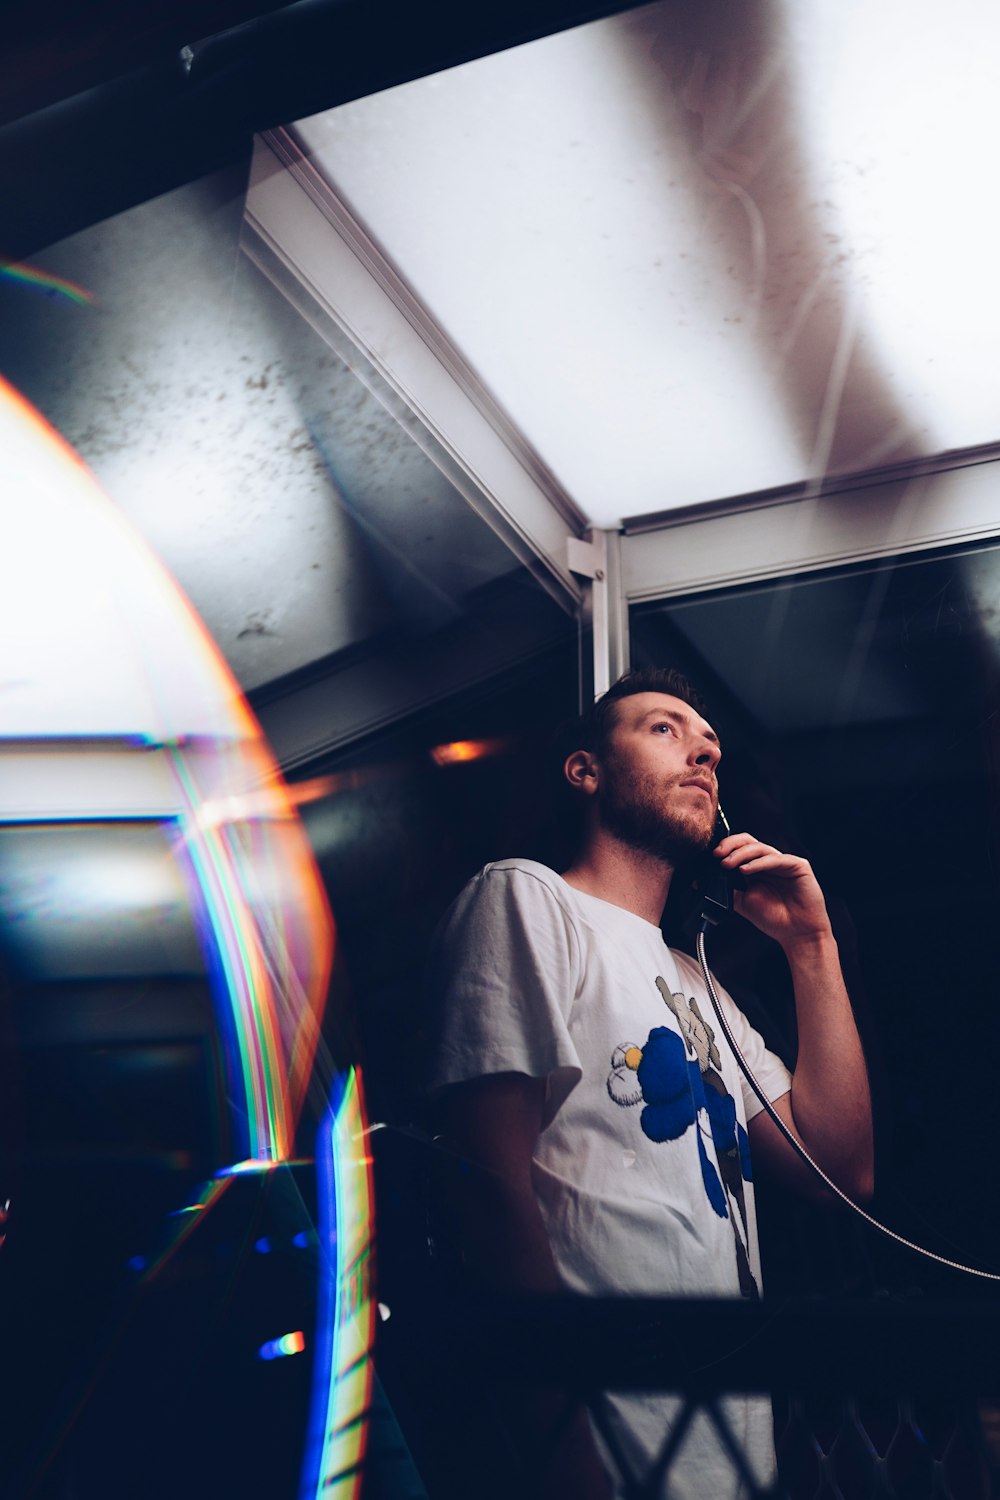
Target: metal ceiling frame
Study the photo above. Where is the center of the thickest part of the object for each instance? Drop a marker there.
(928, 505)
(921, 508)
(296, 216)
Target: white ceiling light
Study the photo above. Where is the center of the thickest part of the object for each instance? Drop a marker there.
(692, 265)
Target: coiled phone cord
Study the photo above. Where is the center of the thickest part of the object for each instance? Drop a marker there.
(797, 1146)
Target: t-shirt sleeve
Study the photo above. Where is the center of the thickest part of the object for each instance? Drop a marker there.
(503, 974)
(766, 1066)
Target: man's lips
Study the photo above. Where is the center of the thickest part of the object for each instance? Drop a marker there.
(702, 786)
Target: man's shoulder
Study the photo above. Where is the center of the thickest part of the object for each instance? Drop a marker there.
(531, 869)
(511, 891)
(516, 880)
(509, 906)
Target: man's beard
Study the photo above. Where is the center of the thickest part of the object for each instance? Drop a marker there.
(638, 814)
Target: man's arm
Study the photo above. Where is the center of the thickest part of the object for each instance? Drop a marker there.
(829, 1105)
(494, 1123)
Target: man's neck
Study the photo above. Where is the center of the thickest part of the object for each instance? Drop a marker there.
(626, 877)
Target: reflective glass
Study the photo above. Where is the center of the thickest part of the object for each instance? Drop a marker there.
(858, 716)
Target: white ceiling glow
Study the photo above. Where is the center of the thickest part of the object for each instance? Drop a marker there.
(901, 133)
(696, 251)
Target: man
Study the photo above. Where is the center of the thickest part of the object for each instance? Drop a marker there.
(583, 1073)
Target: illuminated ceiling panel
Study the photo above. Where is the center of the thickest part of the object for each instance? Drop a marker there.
(697, 251)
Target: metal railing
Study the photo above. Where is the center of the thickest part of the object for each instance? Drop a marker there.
(873, 1400)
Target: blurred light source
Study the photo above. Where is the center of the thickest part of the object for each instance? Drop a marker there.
(462, 750)
(289, 1343)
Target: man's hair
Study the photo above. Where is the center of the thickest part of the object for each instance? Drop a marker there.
(594, 727)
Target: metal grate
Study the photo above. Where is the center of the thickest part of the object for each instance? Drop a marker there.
(845, 1450)
(894, 1450)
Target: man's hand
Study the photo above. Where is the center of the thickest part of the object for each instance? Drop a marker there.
(782, 896)
(829, 1107)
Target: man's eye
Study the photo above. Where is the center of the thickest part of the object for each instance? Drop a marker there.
(668, 728)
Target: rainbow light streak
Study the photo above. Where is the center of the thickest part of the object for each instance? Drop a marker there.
(296, 937)
(345, 1322)
(46, 282)
(275, 953)
(247, 980)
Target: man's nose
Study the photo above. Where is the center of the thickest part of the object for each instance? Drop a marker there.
(707, 753)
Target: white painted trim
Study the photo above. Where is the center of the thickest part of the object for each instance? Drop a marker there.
(922, 512)
(618, 643)
(299, 218)
(586, 559)
(599, 560)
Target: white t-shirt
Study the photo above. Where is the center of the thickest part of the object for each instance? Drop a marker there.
(642, 1170)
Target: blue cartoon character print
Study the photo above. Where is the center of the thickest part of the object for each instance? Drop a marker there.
(676, 1078)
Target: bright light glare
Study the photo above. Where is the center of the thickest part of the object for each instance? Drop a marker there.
(72, 573)
(901, 128)
(529, 200)
(99, 642)
(606, 219)
(249, 1167)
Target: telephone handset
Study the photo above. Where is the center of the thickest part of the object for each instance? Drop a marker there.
(716, 885)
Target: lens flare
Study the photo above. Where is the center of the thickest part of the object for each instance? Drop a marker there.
(342, 1373)
(118, 705)
(46, 282)
(103, 649)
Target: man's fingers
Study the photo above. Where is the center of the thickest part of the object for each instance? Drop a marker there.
(769, 860)
(752, 857)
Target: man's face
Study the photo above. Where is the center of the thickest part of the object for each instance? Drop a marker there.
(657, 789)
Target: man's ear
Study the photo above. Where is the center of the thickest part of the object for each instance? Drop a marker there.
(580, 771)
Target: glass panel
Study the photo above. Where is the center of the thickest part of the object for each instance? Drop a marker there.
(858, 714)
(407, 665)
